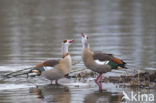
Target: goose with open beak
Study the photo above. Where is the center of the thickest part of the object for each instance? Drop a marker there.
(98, 61)
(56, 69)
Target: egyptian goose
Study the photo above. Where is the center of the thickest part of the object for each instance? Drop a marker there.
(56, 69)
(98, 61)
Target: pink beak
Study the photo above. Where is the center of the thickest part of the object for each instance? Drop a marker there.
(82, 35)
(71, 41)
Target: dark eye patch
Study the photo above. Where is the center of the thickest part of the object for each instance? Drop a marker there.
(65, 41)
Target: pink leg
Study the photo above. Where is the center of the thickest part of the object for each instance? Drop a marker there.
(98, 81)
(99, 77)
(100, 86)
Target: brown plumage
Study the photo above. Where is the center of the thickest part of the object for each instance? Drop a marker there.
(102, 56)
(50, 63)
(56, 69)
(98, 61)
(106, 57)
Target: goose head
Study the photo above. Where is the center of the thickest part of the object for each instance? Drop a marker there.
(84, 40)
(65, 46)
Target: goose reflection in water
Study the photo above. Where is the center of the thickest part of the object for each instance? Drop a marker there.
(53, 93)
(103, 97)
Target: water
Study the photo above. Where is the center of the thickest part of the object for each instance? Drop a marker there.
(32, 31)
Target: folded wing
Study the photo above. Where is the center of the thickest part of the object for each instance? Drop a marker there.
(47, 63)
(109, 59)
(44, 66)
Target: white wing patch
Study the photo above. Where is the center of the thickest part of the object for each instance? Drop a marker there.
(101, 62)
(47, 68)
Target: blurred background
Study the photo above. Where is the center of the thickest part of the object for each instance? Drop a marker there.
(31, 31)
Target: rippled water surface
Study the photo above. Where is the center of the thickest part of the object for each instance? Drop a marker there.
(31, 31)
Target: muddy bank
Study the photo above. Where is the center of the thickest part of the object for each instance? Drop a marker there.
(143, 79)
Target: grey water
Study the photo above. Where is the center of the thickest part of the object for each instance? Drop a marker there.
(31, 31)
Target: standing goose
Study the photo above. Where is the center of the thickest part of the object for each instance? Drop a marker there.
(56, 69)
(98, 61)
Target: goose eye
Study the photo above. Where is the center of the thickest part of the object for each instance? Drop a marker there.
(64, 41)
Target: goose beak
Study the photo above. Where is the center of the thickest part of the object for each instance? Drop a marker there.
(71, 41)
(82, 35)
